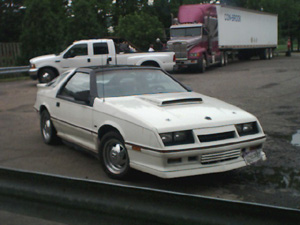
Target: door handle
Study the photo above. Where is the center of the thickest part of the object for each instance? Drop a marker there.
(89, 60)
(109, 59)
(57, 104)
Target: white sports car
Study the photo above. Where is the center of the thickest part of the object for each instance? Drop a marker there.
(142, 118)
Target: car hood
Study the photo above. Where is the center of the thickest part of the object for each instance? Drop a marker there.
(179, 111)
(42, 58)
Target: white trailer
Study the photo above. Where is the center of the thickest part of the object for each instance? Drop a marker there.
(243, 29)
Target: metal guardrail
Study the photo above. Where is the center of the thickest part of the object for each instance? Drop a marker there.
(18, 69)
(77, 201)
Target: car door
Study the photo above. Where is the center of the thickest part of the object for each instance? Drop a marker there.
(73, 113)
(100, 53)
(76, 56)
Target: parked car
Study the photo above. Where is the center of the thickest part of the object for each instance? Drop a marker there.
(96, 52)
(142, 118)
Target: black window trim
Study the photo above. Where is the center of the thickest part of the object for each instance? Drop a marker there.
(87, 48)
(100, 43)
(70, 99)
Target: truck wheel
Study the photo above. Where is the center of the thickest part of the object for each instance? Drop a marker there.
(151, 64)
(270, 53)
(264, 54)
(225, 58)
(202, 64)
(222, 60)
(46, 75)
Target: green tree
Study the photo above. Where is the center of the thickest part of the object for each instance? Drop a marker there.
(140, 28)
(43, 30)
(83, 21)
(121, 8)
(11, 16)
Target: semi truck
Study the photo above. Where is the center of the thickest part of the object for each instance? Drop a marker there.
(205, 34)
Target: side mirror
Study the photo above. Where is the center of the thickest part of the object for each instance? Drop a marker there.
(83, 96)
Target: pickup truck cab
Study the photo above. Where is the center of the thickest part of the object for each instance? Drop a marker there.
(95, 52)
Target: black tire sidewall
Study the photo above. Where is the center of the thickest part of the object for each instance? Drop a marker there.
(201, 65)
(53, 138)
(107, 137)
(49, 71)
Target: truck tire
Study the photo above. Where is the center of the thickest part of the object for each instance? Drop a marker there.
(45, 75)
(264, 54)
(222, 60)
(202, 63)
(150, 63)
(270, 53)
(225, 58)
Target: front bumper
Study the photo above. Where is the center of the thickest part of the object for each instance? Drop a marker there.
(202, 160)
(33, 73)
(186, 62)
(169, 67)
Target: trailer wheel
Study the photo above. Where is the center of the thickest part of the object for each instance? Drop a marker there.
(222, 60)
(225, 58)
(270, 53)
(264, 54)
(202, 64)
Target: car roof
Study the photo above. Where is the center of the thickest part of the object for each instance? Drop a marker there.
(115, 67)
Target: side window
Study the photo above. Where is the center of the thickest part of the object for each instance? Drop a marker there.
(100, 48)
(77, 50)
(77, 88)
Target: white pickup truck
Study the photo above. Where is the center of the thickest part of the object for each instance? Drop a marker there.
(95, 52)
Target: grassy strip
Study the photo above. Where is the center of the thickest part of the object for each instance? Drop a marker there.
(14, 77)
(282, 48)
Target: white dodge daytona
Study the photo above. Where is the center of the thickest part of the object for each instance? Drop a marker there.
(142, 118)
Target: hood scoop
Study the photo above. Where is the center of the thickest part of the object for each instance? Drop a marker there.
(173, 101)
(181, 101)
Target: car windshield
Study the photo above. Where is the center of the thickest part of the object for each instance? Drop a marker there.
(56, 80)
(185, 32)
(117, 83)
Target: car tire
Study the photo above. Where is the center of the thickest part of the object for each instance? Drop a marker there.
(114, 156)
(202, 64)
(46, 75)
(47, 129)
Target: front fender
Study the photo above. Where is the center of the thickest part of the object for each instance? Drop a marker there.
(198, 51)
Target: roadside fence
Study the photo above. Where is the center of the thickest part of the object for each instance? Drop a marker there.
(9, 52)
